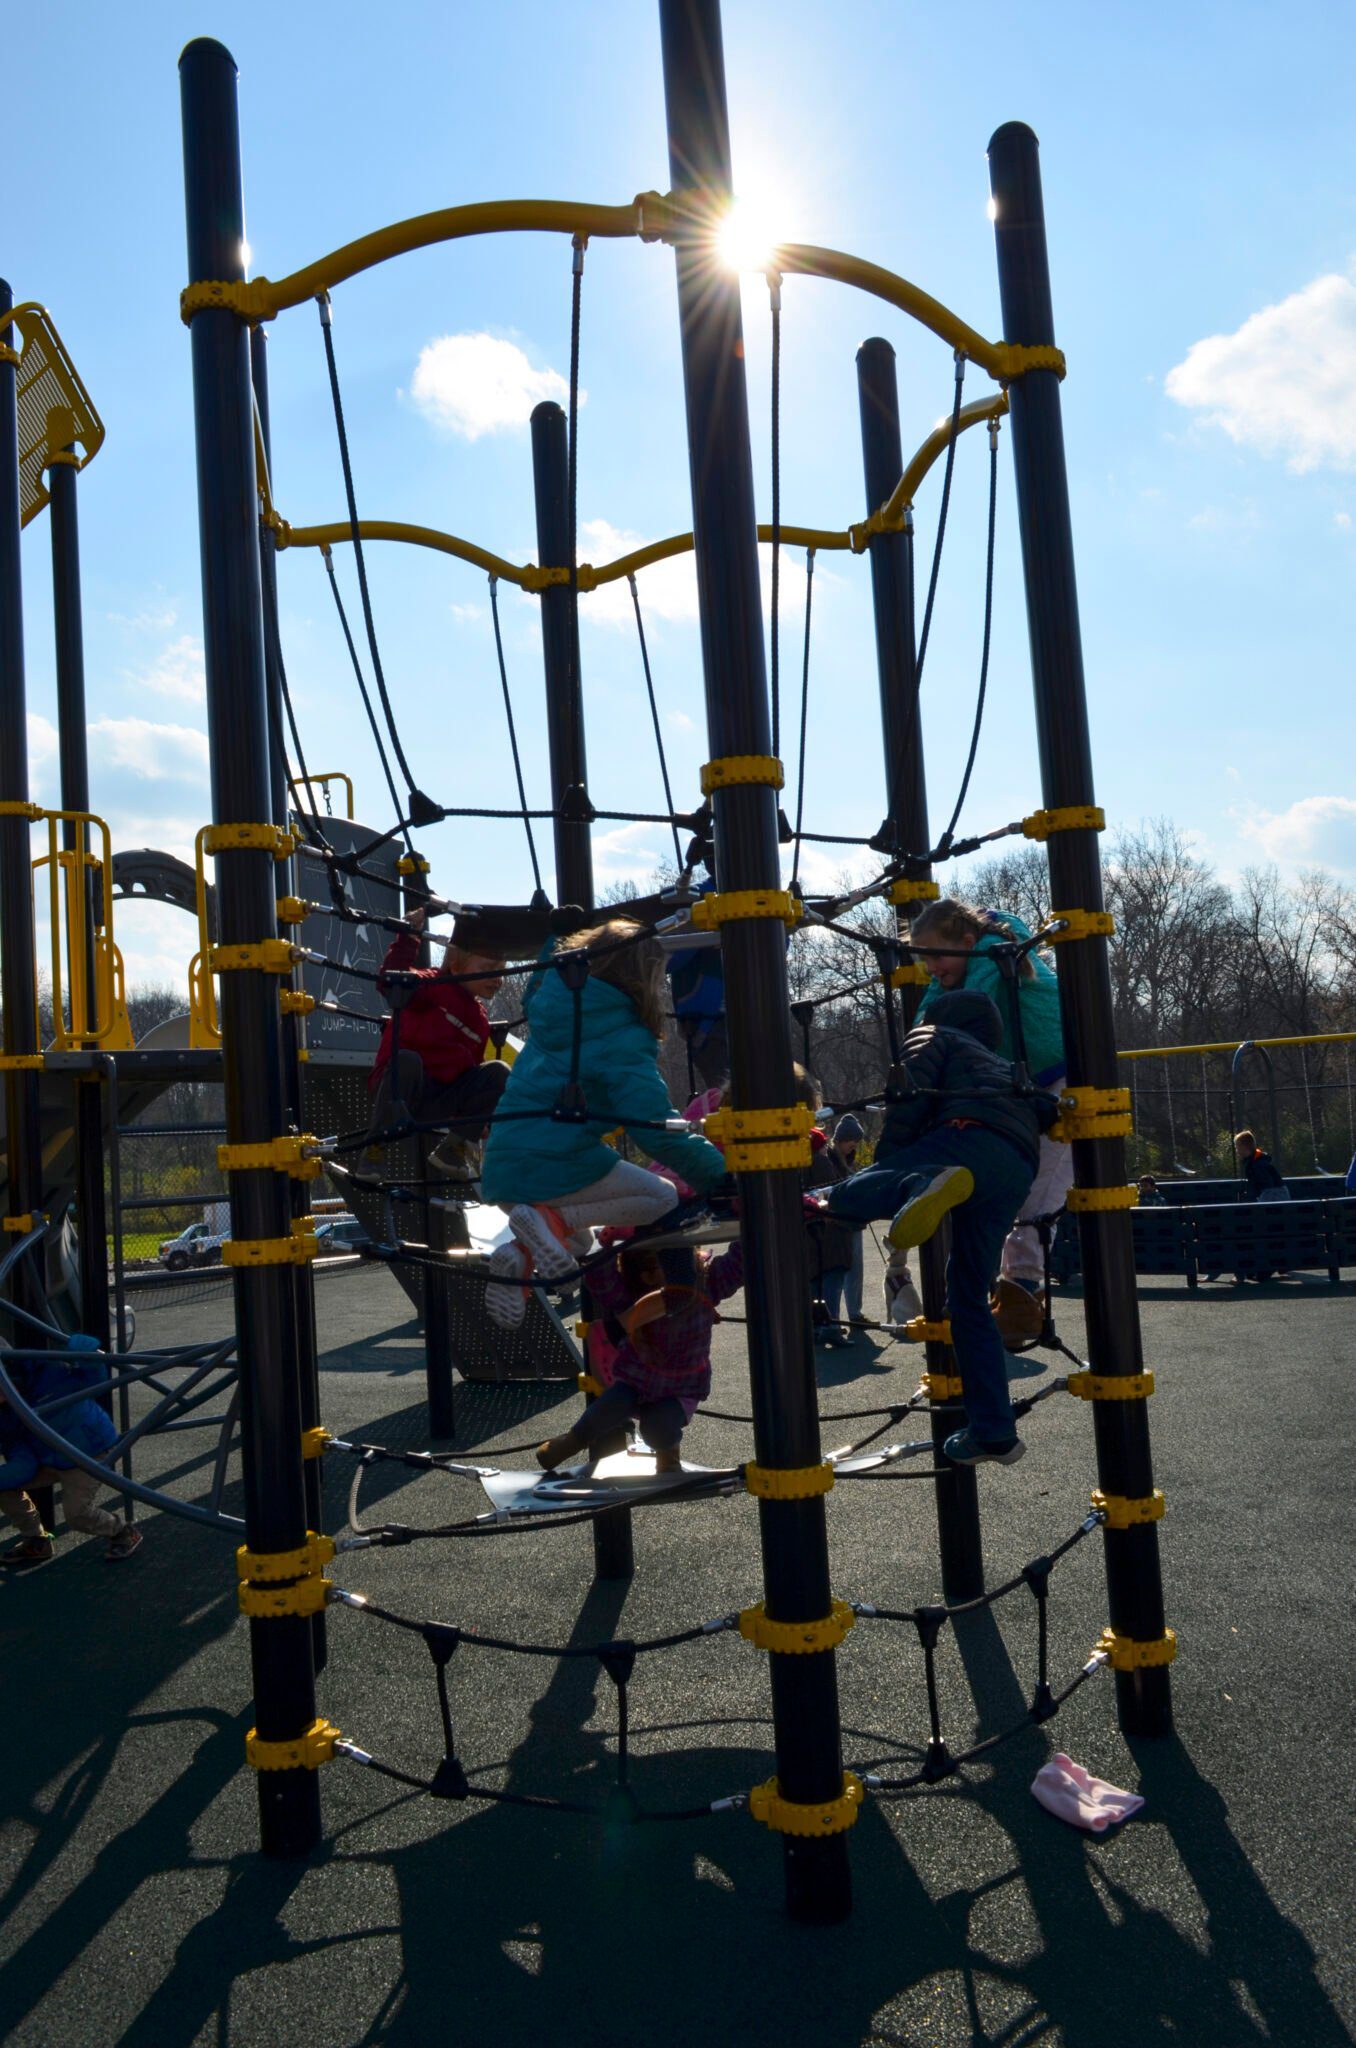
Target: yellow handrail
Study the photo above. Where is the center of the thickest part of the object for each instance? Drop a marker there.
(98, 1014)
(651, 216)
(887, 518)
(1166, 1052)
(324, 781)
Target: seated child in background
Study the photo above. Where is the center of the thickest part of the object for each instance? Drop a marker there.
(967, 1144)
(1149, 1197)
(651, 1347)
(557, 1178)
(25, 1460)
(441, 1075)
(1259, 1170)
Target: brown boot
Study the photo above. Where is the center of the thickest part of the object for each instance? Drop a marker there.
(669, 1460)
(1019, 1314)
(557, 1449)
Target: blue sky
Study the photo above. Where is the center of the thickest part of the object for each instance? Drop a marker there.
(1202, 223)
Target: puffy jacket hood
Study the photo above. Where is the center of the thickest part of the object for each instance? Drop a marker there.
(970, 1010)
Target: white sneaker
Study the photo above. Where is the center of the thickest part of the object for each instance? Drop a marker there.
(904, 1304)
(505, 1295)
(531, 1226)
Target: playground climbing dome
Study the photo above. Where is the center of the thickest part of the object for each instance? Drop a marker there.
(812, 1800)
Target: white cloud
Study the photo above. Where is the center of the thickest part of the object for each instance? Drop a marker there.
(177, 671)
(668, 589)
(629, 853)
(152, 753)
(1316, 831)
(467, 614)
(474, 384)
(1341, 520)
(42, 742)
(1285, 382)
(680, 721)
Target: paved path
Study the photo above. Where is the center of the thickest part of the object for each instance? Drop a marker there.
(137, 1912)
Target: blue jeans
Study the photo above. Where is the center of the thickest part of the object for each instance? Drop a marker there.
(832, 1282)
(1003, 1178)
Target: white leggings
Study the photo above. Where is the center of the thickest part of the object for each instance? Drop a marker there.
(628, 1194)
(1022, 1258)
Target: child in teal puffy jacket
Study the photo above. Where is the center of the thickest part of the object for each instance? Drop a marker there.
(957, 945)
(555, 1176)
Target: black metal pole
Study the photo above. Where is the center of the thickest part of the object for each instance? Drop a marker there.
(781, 1359)
(905, 830)
(436, 1286)
(73, 742)
(20, 1004)
(1124, 1463)
(613, 1545)
(294, 1094)
(251, 1020)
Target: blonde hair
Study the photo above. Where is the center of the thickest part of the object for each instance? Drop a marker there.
(804, 1087)
(951, 922)
(627, 960)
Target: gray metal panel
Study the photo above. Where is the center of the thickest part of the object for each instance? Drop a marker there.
(353, 945)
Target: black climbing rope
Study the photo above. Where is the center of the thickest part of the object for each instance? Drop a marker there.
(804, 714)
(513, 732)
(396, 804)
(658, 732)
(944, 843)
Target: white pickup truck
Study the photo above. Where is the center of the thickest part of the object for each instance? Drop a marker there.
(200, 1244)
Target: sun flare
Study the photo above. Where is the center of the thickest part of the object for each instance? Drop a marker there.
(747, 237)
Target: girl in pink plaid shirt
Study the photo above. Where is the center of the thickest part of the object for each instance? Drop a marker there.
(650, 1345)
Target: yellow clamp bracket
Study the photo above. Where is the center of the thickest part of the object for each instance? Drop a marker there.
(298, 1249)
(1114, 1386)
(1123, 1653)
(1086, 1200)
(293, 910)
(918, 1330)
(277, 1155)
(313, 1441)
(709, 912)
(731, 771)
(913, 975)
(306, 1753)
(294, 1002)
(756, 1140)
(1124, 1511)
(588, 1383)
(411, 864)
(8, 354)
(261, 838)
(271, 1565)
(906, 891)
(1082, 924)
(789, 1817)
(268, 956)
(943, 1386)
(1093, 1113)
(269, 1603)
(1013, 359)
(796, 1638)
(792, 1482)
(21, 1225)
(1068, 818)
(22, 1062)
(247, 298)
(12, 807)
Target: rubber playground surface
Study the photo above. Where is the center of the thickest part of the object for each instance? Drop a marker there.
(136, 1910)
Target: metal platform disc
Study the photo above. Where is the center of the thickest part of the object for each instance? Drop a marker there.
(877, 1460)
(625, 1476)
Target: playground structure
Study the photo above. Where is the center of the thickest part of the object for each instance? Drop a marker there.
(268, 1156)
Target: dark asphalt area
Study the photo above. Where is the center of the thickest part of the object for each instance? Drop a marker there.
(137, 1911)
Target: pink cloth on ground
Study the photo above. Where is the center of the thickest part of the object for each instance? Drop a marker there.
(1065, 1789)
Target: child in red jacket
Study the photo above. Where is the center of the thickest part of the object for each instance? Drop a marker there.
(441, 1075)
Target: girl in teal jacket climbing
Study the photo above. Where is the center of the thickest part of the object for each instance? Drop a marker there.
(957, 945)
(554, 1174)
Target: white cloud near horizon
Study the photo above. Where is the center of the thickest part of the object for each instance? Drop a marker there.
(668, 589)
(1284, 383)
(476, 384)
(1315, 831)
(148, 751)
(178, 671)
